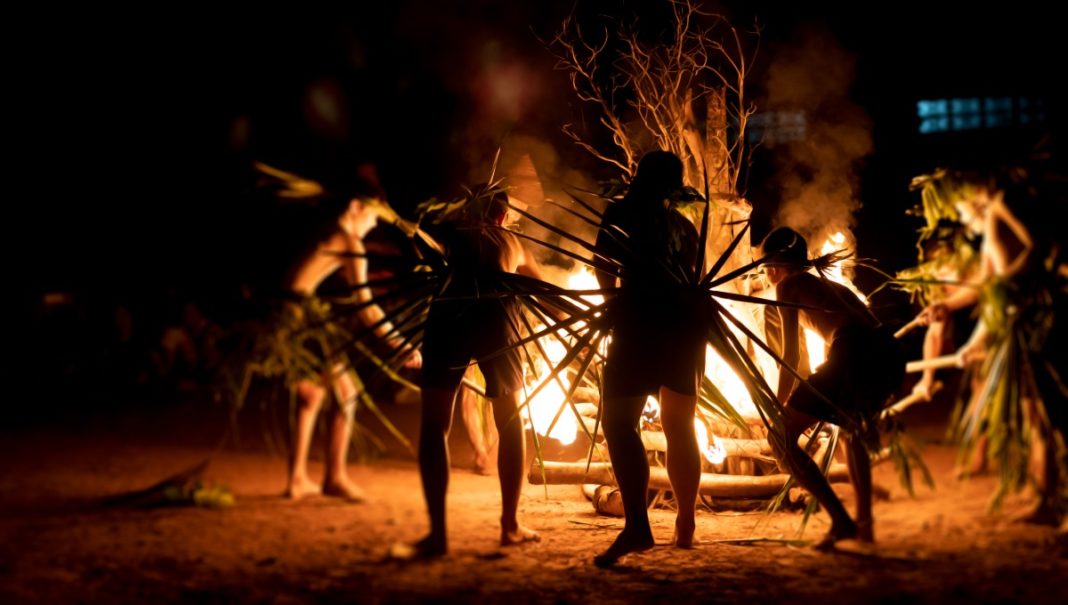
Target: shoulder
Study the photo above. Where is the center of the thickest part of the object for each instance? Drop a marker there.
(512, 241)
(339, 241)
(799, 282)
(616, 212)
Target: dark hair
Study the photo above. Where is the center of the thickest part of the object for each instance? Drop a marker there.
(659, 173)
(784, 246)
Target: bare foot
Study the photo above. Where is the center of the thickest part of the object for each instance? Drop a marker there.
(866, 531)
(482, 464)
(683, 537)
(302, 486)
(429, 547)
(345, 489)
(626, 543)
(977, 467)
(837, 534)
(1041, 514)
(519, 535)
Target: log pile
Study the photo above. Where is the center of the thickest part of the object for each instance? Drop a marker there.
(748, 478)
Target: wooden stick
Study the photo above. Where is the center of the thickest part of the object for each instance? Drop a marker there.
(712, 484)
(952, 360)
(906, 402)
(905, 329)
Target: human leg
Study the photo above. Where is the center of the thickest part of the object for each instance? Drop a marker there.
(631, 468)
(511, 462)
(309, 399)
(683, 459)
(336, 481)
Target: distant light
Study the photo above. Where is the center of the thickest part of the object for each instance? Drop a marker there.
(972, 113)
(775, 127)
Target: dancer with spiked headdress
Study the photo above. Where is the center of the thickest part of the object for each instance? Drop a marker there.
(473, 318)
(864, 367)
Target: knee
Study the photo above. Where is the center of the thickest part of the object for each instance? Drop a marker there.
(310, 396)
(680, 433)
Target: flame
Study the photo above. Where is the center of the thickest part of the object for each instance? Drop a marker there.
(651, 411)
(836, 273)
(707, 444)
(544, 406)
(728, 383)
(710, 448)
(817, 349)
(584, 279)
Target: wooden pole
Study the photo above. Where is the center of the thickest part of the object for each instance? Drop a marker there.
(952, 360)
(906, 402)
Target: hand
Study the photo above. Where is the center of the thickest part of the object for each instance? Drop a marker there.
(414, 360)
(972, 352)
(935, 313)
(922, 389)
(412, 357)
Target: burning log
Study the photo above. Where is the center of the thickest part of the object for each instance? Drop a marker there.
(655, 441)
(712, 484)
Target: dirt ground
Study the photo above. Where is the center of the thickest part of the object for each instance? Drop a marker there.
(59, 544)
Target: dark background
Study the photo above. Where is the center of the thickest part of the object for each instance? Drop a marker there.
(133, 132)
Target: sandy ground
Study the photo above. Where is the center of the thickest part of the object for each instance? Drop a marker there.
(58, 544)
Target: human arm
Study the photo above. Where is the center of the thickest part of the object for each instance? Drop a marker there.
(369, 312)
(789, 324)
(932, 347)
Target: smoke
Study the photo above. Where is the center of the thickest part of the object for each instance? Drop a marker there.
(817, 175)
(542, 184)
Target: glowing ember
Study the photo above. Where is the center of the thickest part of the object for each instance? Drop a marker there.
(710, 448)
(651, 411)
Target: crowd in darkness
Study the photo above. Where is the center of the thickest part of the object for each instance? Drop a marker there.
(105, 348)
(163, 333)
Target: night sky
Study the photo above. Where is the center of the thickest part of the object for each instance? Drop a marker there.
(150, 121)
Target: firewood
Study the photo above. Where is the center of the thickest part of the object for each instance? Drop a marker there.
(655, 441)
(712, 484)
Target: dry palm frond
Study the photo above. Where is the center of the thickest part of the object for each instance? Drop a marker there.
(1020, 381)
(308, 338)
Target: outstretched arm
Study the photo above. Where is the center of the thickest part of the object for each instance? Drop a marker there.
(370, 313)
(791, 351)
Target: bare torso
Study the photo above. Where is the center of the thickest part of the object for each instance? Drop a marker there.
(837, 306)
(329, 256)
(487, 249)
